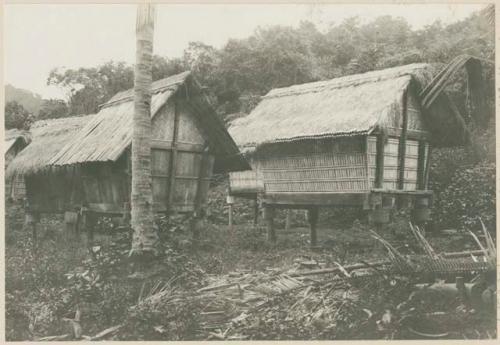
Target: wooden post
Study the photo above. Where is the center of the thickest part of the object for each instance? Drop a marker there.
(195, 224)
(230, 221)
(30, 219)
(402, 141)
(126, 214)
(367, 164)
(173, 159)
(198, 213)
(312, 216)
(230, 202)
(30, 223)
(255, 211)
(269, 213)
(421, 165)
(427, 167)
(90, 222)
(288, 220)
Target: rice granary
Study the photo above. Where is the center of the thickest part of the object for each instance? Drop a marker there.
(83, 163)
(15, 141)
(360, 140)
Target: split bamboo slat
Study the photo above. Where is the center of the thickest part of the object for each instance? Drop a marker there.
(323, 166)
(245, 182)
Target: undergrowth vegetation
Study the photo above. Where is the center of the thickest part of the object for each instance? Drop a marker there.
(47, 283)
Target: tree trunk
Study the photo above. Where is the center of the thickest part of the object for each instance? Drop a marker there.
(145, 238)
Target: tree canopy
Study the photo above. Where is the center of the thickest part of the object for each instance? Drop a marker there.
(241, 71)
(16, 116)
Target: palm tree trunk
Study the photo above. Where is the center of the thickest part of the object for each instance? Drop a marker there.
(145, 238)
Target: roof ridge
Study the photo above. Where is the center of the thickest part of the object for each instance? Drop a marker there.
(39, 123)
(346, 81)
(157, 86)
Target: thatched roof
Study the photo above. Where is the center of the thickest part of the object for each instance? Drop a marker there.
(48, 137)
(110, 132)
(13, 136)
(106, 135)
(350, 105)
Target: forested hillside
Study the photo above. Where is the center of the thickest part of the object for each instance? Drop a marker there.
(32, 102)
(244, 69)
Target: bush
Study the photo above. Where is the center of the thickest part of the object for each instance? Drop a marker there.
(463, 181)
(470, 194)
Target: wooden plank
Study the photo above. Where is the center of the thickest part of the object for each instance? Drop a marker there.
(427, 167)
(173, 157)
(198, 197)
(421, 165)
(402, 192)
(410, 134)
(181, 146)
(379, 173)
(269, 213)
(326, 199)
(312, 217)
(402, 141)
(243, 193)
(106, 208)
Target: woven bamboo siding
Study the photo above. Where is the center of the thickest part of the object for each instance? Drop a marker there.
(245, 182)
(329, 165)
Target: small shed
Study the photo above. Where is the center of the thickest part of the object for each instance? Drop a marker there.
(15, 141)
(84, 162)
(361, 140)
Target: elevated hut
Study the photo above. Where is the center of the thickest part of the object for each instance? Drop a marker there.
(15, 141)
(49, 190)
(87, 166)
(361, 140)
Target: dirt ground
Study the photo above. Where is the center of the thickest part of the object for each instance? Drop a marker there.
(48, 282)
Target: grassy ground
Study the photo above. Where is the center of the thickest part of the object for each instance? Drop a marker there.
(47, 282)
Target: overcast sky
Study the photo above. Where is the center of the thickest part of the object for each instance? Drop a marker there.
(41, 37)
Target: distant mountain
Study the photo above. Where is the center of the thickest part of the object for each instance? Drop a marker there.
(29, 100)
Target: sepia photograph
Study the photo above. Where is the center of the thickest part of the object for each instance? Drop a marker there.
(239, 171)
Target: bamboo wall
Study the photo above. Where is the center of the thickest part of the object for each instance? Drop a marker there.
(347, 164)
(311, 166)
(247, 182)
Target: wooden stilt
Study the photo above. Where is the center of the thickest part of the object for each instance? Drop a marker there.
(269, 217)
(312, 216)
(90, 222)
(126, 214)
(230, 216)
(30, 223)
(195, 224)
(288, 220)
(255, 211)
